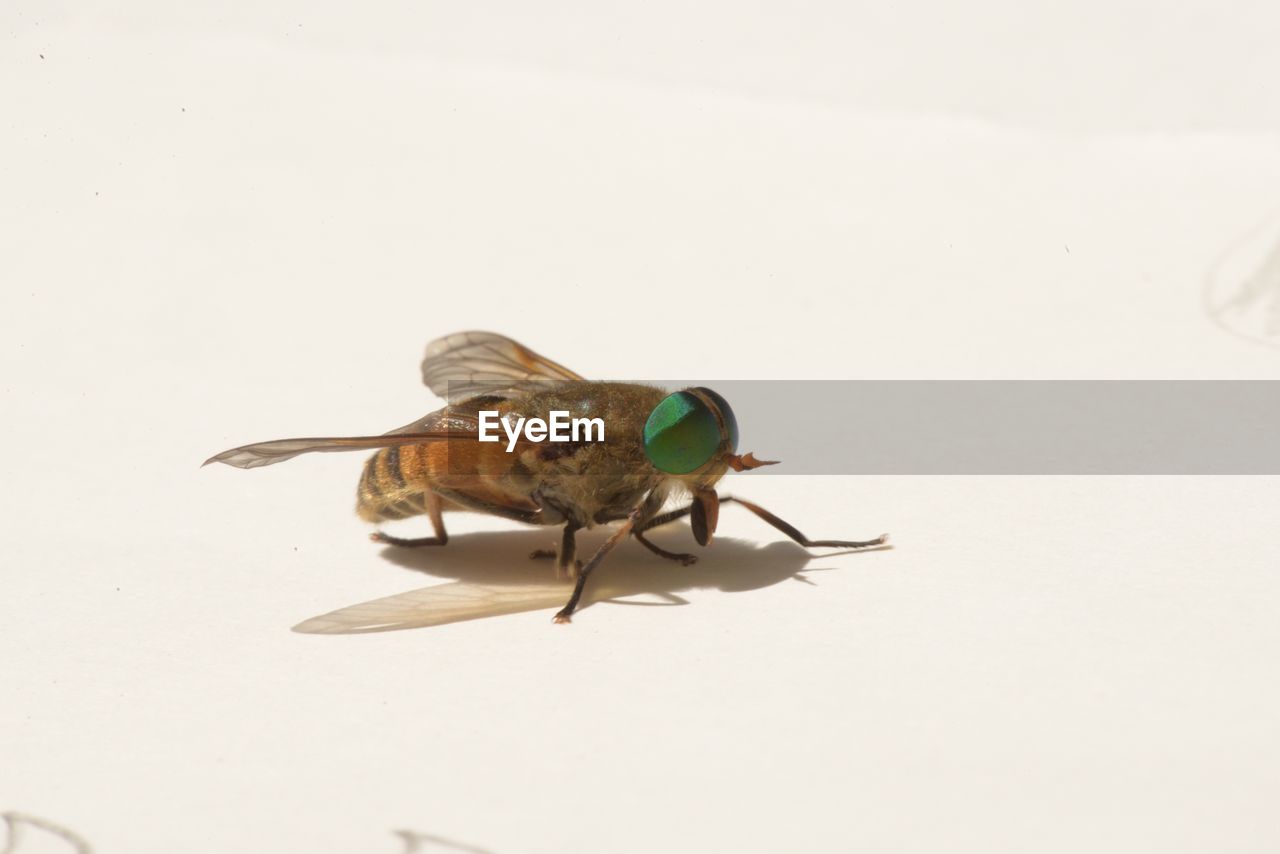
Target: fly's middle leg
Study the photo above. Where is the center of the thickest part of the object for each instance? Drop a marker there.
(565, 614)
(567, 564)
(683, 557)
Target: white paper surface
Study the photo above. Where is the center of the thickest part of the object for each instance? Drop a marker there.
(230, 224)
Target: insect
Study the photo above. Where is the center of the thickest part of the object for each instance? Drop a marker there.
(657, 448)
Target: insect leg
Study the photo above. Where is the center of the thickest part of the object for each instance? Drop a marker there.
(794, 533)
(565, 554)
(663, 519)
(684, 558)
(670, 516)
(437, 524)
(783, 526)
(567, 564)
(563, 615)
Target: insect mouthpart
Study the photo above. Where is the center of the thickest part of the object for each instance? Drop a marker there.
(748, 461)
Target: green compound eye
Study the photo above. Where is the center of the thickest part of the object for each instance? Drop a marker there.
(682, 433)
(726, 412)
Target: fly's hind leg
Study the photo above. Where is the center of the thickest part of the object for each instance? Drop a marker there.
(567, 564)
(434, 513)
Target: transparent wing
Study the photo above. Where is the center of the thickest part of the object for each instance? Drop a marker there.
(434, 606)
(441, 425)
(279, 450)
(468, 363)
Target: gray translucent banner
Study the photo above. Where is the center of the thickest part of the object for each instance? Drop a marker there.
(1005, 427)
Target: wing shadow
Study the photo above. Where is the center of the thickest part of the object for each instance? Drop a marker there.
(416, 841)
(490, 574)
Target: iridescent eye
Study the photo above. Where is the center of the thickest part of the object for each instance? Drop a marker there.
(726, 413)
(682, 433)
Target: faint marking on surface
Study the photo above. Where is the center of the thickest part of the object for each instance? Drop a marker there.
(16, 824)
(1242, 288)
(423, 843)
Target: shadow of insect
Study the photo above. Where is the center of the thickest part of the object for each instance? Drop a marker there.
(489, 575)
(421, 843)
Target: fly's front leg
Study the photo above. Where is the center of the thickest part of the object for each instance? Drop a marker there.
(782, 525)
(434, 513)
(794, 533)
(564, 614)
(663, 519)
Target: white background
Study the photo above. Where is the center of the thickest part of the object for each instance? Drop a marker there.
(233, 223)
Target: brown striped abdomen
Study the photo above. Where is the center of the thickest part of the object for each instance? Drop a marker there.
(393, 484)
(404, 481)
